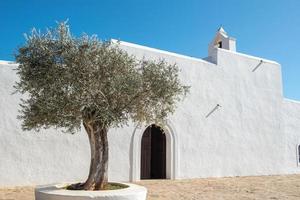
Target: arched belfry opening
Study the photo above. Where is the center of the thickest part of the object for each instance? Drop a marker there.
(223, 41)
(153, 153)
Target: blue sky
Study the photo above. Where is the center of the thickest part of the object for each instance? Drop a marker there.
(264, 28)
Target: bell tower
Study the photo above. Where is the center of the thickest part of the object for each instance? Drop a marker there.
(222, 41)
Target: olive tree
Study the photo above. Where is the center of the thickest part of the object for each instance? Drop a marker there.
(71, 81)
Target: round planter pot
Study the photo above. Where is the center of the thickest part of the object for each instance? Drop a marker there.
(57, 192)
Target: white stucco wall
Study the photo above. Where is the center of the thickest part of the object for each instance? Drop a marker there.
(30, 157)
(291, 120)
(242, 136)
(254, 132)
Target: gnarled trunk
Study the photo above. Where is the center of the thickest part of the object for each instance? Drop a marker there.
(97, 135)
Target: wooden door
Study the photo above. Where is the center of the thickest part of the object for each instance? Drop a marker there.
(146, 155)
(153, 154)
(158, 154)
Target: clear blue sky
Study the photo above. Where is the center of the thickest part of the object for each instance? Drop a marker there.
(264, 28)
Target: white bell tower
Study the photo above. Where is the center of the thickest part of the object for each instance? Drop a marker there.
(223, 41)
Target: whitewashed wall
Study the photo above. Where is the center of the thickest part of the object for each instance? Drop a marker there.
(252, 133)
(244, 136)
(30, 157)
(291, 120)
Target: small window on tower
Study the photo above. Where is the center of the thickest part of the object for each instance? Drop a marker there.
(220, 44)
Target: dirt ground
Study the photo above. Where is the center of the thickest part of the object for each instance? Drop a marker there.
(240, 188)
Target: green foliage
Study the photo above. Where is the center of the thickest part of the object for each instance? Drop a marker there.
(68, 80)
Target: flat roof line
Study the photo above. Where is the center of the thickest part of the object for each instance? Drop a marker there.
(129, 44)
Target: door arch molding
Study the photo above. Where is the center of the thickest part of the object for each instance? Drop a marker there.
(171, 151)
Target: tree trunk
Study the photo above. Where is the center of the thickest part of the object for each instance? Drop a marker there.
(97, 135)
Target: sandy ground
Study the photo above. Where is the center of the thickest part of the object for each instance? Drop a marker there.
(240, 188)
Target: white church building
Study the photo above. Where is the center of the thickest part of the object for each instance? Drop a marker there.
(234, 122)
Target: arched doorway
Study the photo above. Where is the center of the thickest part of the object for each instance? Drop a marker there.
(153, 153)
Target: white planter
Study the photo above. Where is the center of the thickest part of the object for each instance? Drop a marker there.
(56, 192)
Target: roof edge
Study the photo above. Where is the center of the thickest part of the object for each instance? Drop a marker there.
(250, 56)
(291, 100)
(7, 62)
(129, 44)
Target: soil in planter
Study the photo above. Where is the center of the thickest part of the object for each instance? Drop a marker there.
(109, 186)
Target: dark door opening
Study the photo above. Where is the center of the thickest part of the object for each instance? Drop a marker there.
(153, 153)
